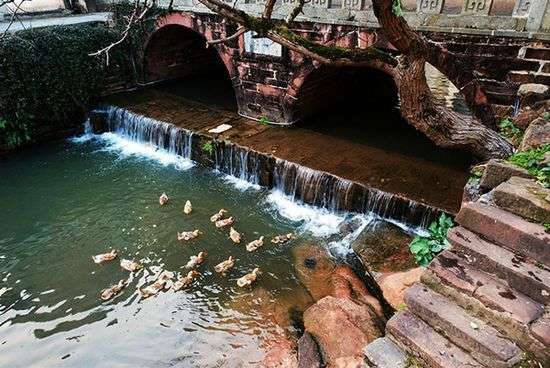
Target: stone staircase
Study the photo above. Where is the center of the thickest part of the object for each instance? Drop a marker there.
(485, 301)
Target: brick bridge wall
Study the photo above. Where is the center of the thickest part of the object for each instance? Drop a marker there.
(282, 85)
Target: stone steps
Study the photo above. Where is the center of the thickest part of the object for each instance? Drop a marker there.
(422, 341)
(506, 229)
(452, 271)
(532, 280)
(523, 197)
(383, 353)
(482, 341)
(489, 299)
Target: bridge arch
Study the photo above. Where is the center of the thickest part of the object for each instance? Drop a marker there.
(318, 89)
(178, 49)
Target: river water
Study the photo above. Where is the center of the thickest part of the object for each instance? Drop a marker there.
(64, 202)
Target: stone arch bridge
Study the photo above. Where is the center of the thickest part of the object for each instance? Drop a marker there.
(506, 41)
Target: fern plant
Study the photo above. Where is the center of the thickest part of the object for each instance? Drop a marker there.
(425, 248)
(208, 147)
(533, 161)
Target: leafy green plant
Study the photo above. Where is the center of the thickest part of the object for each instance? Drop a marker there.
(509, 130)
(264, 121)
(208, 147)
(397, 8)
(532, 161)
(546, 226)
(425, 248)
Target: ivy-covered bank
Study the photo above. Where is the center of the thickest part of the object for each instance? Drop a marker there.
(48, 79)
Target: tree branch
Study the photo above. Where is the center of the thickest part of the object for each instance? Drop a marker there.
(234, 36)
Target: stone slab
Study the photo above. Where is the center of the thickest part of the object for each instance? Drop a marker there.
(506, 229)
(523, 197)
(475, 336)
(383, 353)
(493, 294)
(422, 341)
(498, 171)
(541, 329)
(519, 274)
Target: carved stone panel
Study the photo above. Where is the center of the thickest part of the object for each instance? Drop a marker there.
(429, 6)
(353, 4)
(522, 8)
(320, 3)
(477, 7)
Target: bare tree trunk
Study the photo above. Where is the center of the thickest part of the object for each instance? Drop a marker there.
(443, 126)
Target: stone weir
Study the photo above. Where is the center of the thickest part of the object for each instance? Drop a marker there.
(300, 183)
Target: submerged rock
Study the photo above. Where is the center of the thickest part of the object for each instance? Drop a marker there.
(342, 327)
(384, 247)
(314, 268)
(394, 285)
(280, 354)
(308, 352)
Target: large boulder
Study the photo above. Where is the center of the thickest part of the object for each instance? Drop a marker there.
(537, 133)
(314, 267)
(498, 171)
(308, 352)
(384, 247)
(526, 116)
(394, 285)
(530, 93)
(342, 327)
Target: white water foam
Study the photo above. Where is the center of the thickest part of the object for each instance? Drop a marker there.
(318, 221)
(87, 136)
(240, 184)
(125, 148)
(128, 148)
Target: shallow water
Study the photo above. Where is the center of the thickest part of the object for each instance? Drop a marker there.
(65, 202)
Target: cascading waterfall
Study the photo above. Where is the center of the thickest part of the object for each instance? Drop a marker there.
(246, 168)
(336, 194)
(159, 134)
(238, 162)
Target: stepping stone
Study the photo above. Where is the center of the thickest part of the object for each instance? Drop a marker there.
(453, 271)
(420, 340)
(533, 281)
(483, 342)
(524, 198)
(383, 353)
(541, 329)
(506, 229)
(498, 171)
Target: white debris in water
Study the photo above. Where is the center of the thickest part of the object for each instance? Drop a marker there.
(220, 128)
(240, 184)
(128, 148)
(318, 221)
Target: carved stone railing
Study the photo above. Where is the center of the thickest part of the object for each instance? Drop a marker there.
(521, 18)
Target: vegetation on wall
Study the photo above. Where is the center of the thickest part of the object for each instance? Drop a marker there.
(48, 79)
(425, 248)
(533, 160)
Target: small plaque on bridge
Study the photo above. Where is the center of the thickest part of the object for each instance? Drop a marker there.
(261, 45)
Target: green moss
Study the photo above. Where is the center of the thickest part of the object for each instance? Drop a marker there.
(332, 52)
